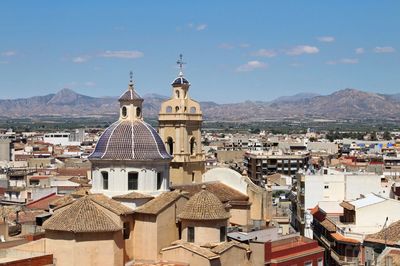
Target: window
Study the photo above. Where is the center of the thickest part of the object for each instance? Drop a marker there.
(133, 178)
(192, 110)
(127, 230)
(326, 186)
(159, 180)
(192, 177)
(138, 111)
(192, 146)
(168, 109)
(177, 94)
(222, 233)
(176, 108)
(124, 111)
(320, 262)
(190, 234)
(170, 144)
(104, 176)
(308, 263)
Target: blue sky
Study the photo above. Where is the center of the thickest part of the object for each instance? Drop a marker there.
(235, 50)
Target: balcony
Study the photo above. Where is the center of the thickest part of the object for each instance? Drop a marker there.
(326, 241)
(343, 260)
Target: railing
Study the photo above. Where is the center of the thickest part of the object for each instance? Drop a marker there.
(340, 258)
(326, 241)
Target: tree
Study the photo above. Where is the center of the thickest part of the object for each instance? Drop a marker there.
(387, 136)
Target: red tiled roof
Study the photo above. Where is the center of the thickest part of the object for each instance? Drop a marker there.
(43, 203)
(340, 238)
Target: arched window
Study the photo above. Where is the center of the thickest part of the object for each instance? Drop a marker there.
(138, 111)
(104, 179)
(170, 145)
(177, 94)
(192, 146)
(169, 109)
(192, 110)
(124, 111)
(176, 108)
(133, 180)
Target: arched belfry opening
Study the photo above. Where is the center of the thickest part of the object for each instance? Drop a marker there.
(170, 145)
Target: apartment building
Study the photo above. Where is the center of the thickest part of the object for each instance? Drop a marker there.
(260, 164)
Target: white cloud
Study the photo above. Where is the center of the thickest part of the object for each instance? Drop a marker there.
(250, 66)
(302, 49)
(359, 50)
(122, 54)
(384, 49)
(8, 53)
(198, 27)
(201, 27)
(80, 59)
(326, 39)
(345, 61)
(244, 45)
(265, 53)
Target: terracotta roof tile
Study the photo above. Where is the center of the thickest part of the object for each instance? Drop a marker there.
(347, 205)
(62, 201)
(204, 252)
(340, 238)
(82, 216)
(391, 234)
(110, 204)
(328, 225)
(204, 205)
(43, 203)
(227, 245)
(222, 191)
(132, 196)
(159, 203)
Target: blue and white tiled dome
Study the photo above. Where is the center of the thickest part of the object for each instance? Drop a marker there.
(130, 140)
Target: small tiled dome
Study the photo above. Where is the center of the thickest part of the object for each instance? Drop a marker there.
(130, 94)
(204, 206)
(130, 140)
(180, 80)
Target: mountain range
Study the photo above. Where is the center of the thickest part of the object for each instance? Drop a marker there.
(342, 104)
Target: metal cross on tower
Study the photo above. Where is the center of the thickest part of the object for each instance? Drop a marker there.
(180, 63)
(130, 77)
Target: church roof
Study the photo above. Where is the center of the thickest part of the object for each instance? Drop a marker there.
(159, 203)
(204, 206)
(130, 94)
(81, 216)
(223, 192)
(130, 140)
(180, 81)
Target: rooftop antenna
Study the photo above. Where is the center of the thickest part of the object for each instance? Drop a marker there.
(180, 63)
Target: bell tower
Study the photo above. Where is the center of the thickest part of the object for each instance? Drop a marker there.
(180, 120)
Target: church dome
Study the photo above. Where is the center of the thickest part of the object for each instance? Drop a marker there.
(130, 140)
(180, 81)
(204, 206)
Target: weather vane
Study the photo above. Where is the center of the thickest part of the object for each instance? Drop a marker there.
(180, 62)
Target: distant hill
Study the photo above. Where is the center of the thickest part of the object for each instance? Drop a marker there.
(296, 97)
(342, 104)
